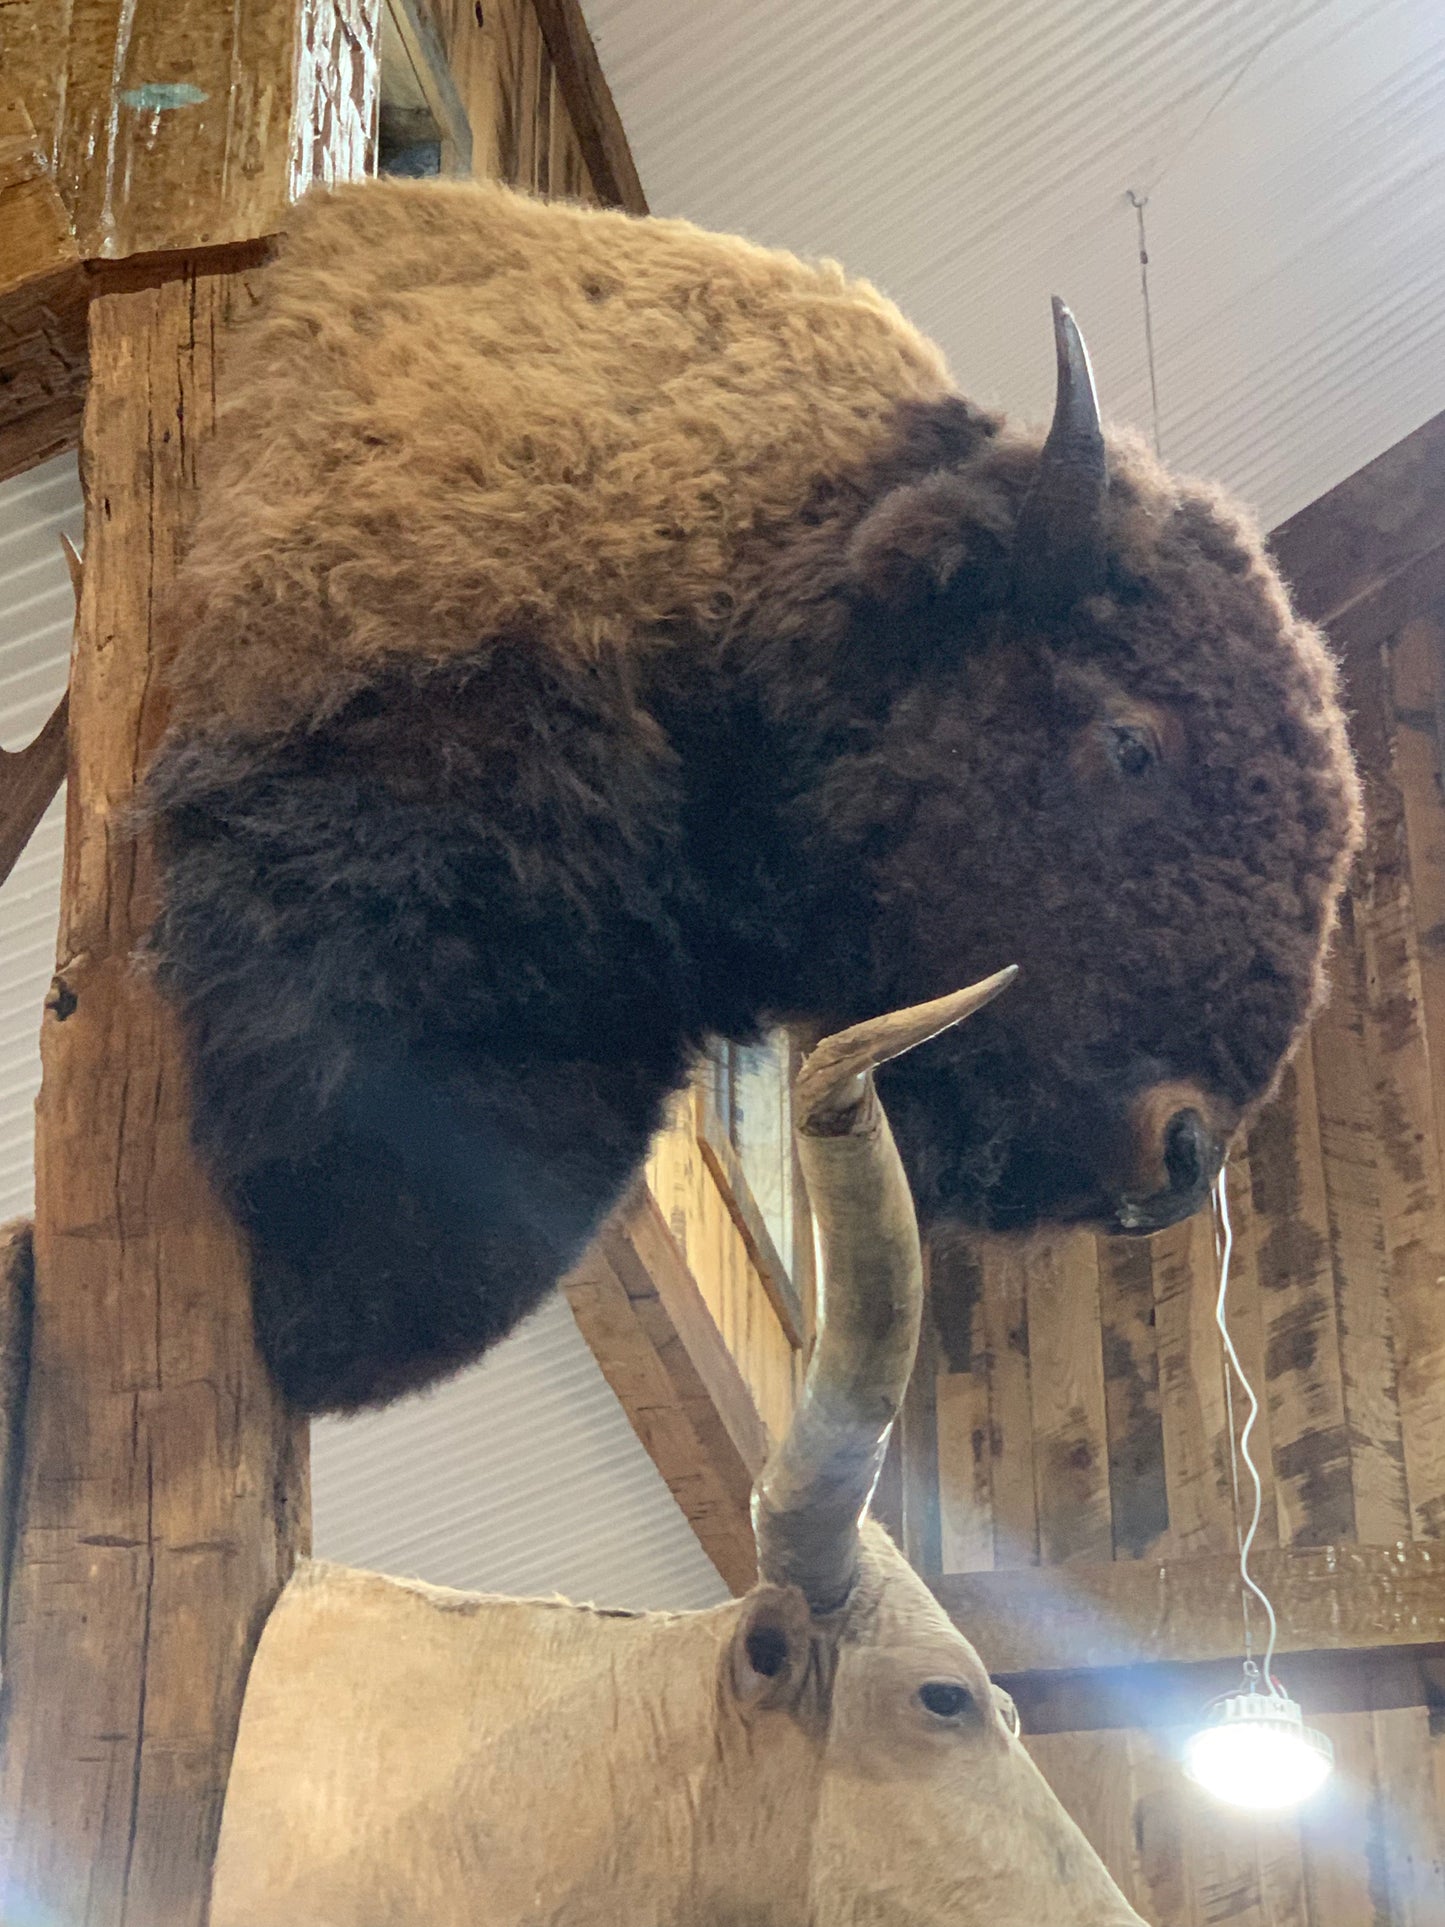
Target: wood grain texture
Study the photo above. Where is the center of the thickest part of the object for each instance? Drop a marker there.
(1005, 1357)
(29, 778)
(1302, 1379)
(1138, 1489)
(1192, 1392)
(1351, 1152)
(17, 1301)
(1363, 1853)
(163, 1488)
(1067, 1400)
(590, 105)
(167, 126)
(1131, 1612)
(162, 1491)
(640, 1312)
(1342, 551)
(704, 1227)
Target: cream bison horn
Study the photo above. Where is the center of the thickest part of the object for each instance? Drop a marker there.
(812, 1494)
(1059, 550)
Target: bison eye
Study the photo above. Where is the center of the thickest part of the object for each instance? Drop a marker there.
(945, 1698)
(1132, 749)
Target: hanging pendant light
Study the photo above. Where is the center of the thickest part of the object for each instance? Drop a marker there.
(1254, 1750)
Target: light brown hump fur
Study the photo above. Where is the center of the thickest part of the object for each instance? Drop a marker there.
(457, 413)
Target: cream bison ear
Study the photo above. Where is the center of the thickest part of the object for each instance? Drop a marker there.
(768, 1662)
(947, 535)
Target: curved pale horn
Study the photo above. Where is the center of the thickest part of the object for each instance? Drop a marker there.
(1059, 553)
(812, 1494)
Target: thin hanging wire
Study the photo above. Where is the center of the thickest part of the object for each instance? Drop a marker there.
(1224, 1251)
(1139, 202)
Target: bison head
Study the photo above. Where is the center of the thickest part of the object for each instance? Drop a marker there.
(1067, 716)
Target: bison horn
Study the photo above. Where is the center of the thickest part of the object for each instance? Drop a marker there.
(811, 1496)
(1059, 553)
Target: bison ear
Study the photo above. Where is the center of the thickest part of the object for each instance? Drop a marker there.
(771, 1647)
(946, 535)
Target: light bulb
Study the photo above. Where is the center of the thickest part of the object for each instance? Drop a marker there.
(1256, 1751)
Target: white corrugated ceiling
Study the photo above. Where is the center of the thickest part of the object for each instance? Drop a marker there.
(974, 159)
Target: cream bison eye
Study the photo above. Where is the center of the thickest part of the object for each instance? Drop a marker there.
(945, 1698)
(1132, 749)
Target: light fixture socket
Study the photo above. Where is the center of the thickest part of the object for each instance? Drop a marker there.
(1255, 1751)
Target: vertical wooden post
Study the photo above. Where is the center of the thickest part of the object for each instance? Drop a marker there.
(162, 1494)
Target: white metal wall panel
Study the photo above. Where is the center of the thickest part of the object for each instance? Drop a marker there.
(521, 1476)
(36, 618)
(974, 159)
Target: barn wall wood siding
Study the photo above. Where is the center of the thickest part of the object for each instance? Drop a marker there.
(1080, 1395)
(1076, 1415)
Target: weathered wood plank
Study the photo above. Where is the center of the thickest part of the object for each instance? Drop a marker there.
(163, 1488)
(1011, 1434)
(1408, 1826)
(1164, 1696)
(1412, 1186)
(1313, 1494)
(36, 241)
(1140, 1498)
(1066, 1392)
(1246, 1313)
(919, 1449)
(1340, 551)
(1344, 1086)
(17, 1299)
(1341, 1875)
(1130, 1612)
(961, 1418)
(727, 1171)
(590, 105)
(168, 127)
(29, 779)
(641, 1316)
(1191, 1392)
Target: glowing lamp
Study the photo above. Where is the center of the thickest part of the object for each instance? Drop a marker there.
(1254, 1750)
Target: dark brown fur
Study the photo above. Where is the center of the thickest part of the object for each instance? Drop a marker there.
(445, 945)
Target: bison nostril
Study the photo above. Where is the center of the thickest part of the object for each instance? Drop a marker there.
(1189, 1156)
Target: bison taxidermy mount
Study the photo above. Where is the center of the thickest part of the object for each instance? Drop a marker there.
(597, 635)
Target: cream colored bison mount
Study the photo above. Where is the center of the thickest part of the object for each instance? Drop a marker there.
(826, 1752)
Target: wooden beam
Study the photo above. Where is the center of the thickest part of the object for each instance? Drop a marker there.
(29, 778)
(640, 1310)
(1037, 1619)
(162, 1490)
(17, 1299)
(590, 105)
(1346, 548)
(138, 130)
(1370, 1680)
(726, 1167)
